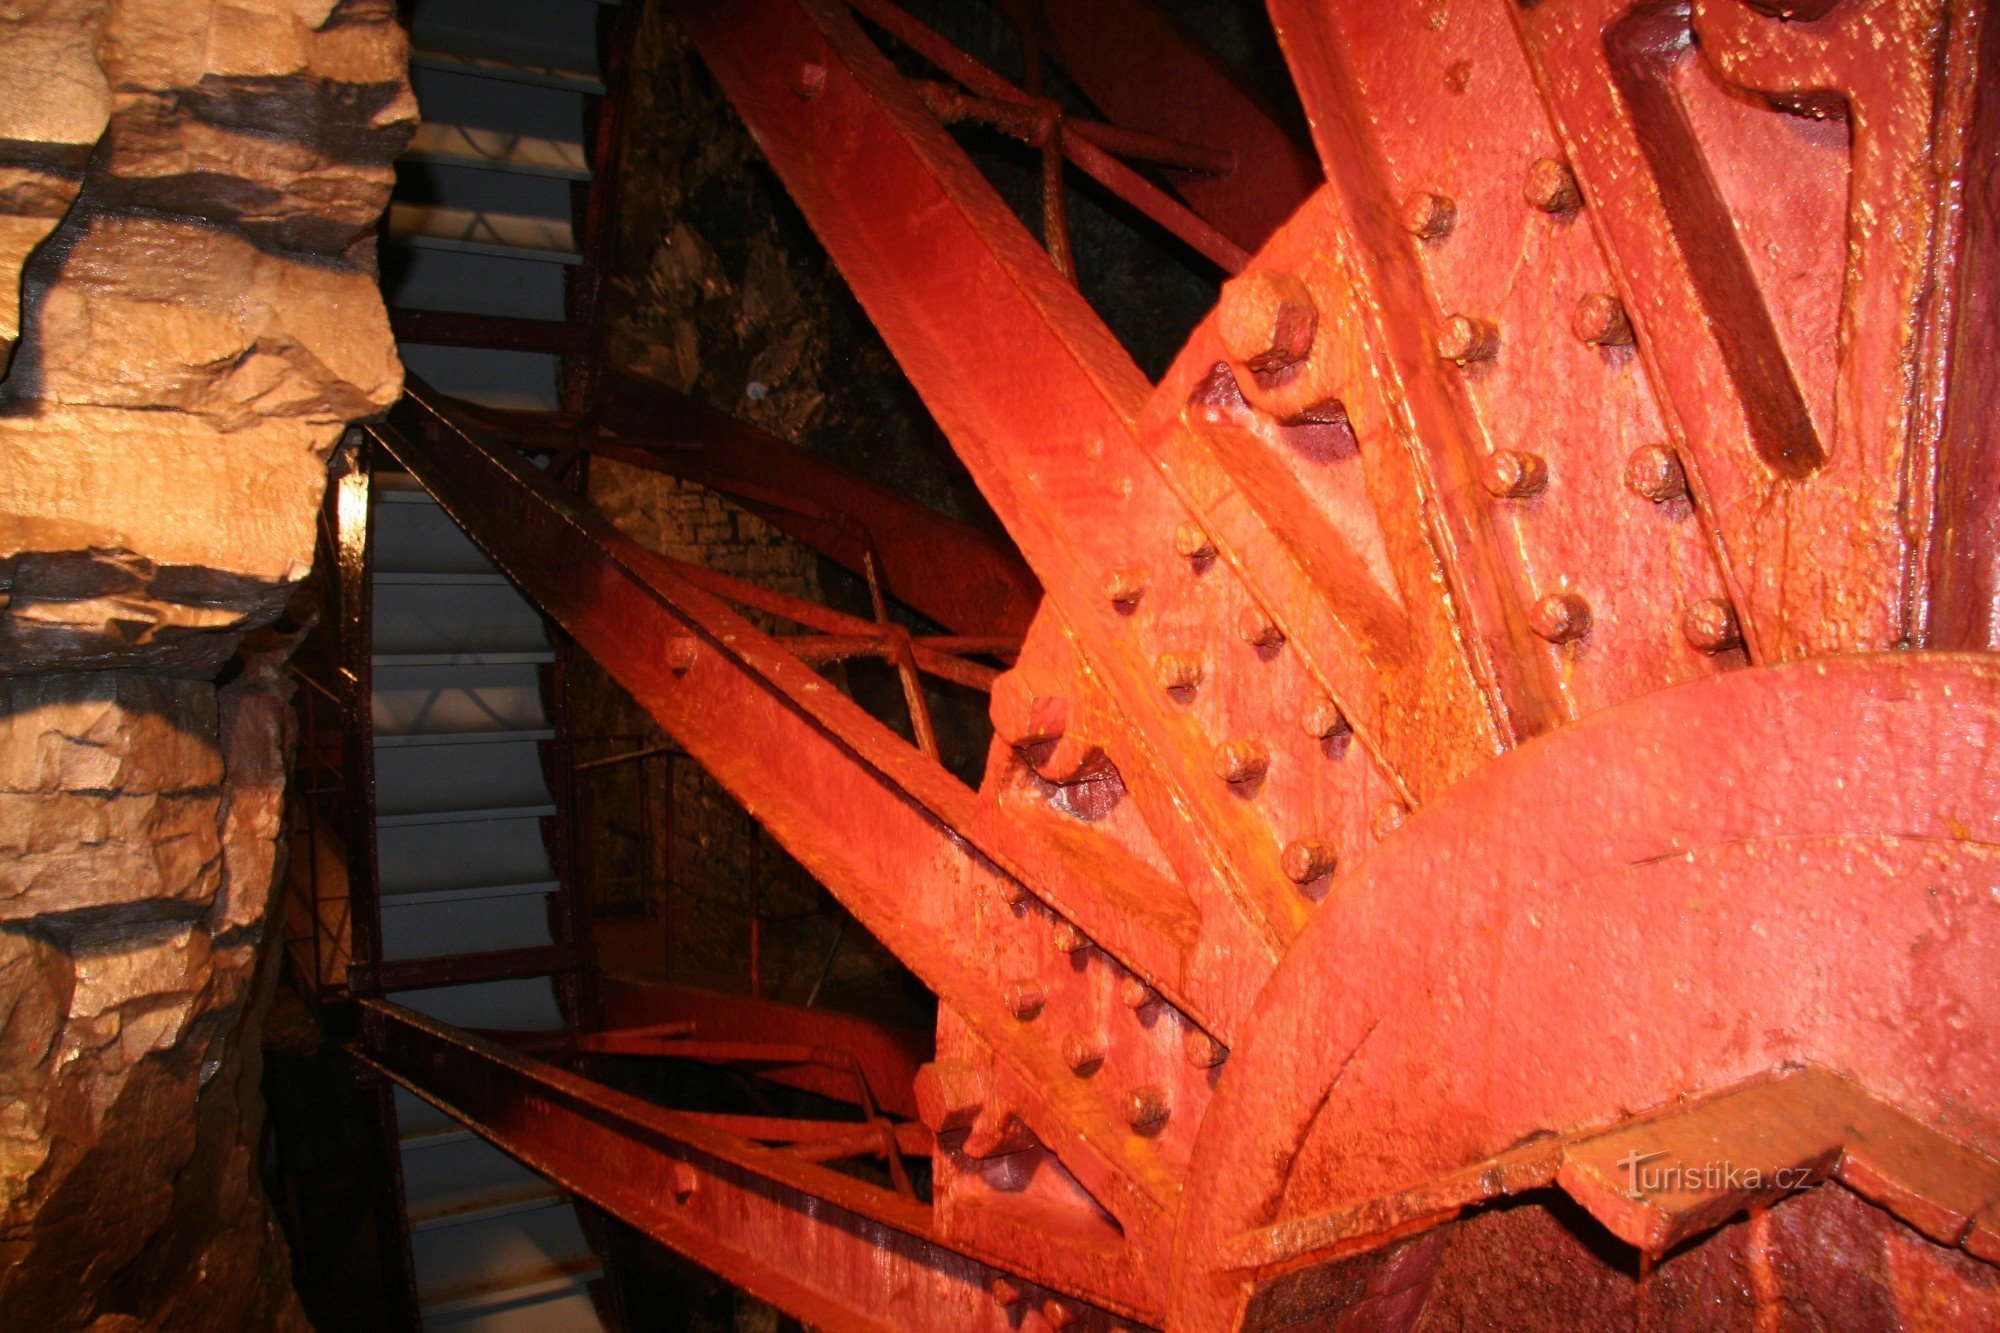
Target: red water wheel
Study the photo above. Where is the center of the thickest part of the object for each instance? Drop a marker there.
(1496, 808)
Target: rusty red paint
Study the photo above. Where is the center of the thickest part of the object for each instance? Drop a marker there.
(1435, 765)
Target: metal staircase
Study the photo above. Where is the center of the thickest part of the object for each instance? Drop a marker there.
(488, 235)
(469, 903)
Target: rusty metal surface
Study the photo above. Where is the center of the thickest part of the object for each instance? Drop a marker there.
(1485, 718)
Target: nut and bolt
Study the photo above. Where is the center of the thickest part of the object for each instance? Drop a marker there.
(1178, 670)
(1267, 319)
(1653, 472)
(1551, 186)
(1710, 626)
(1560, 617)
(1241, 761)
(1600, 321)
(1025, 1000)
(1510, 474)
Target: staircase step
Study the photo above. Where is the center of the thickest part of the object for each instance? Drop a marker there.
(466, 816)
(394, 742)
(446, 773)
(561, 1305)
(460, 659)
(508, 68)
(518, 381)
(437, 578)
(509, 235)
(476, 893)
(439, 858)
(442, 704)
(497, 150)
(451, 1181)
(459, 1267)
(522, 1004)
(468, 618)
(475, 284)
(427, 925)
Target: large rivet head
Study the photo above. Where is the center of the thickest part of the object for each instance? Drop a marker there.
(1178, 670)
(1136, 994)
(1005, 1292)
(1257, 629)
(686, 1181)
(1241, 761)
(1321, 718)
(1428, 216)
(1084, 1052)
(1551, 186)
(1125, 585)
(1023, 718)
(1711, 626)
(1146, 1107)
(1653, 472)
(1267, 319)
(1202, 1051)
(1387, 817)
(1560, 617)
(950, 1095)
(1068, 938)
(1025, 999)
(1464, 339)
(1600, 320)
(1192, 542)
(1306, 860)
(1510, 474)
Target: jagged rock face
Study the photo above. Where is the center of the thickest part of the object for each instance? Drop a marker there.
(187, 189)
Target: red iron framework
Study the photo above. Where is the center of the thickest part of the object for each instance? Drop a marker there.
(1510, 708)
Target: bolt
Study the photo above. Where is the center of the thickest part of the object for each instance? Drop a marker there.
(1321, 718)
(1202, 1051)
(1136, 994)
(950, 1095)
(686, 1182)
(1240, 761)
(1145, 1107)
(1068, 938)
(1428, 216)
(1306, 860)
(1600, 320)
(1025, 1000)
(1125, 585)
(1005, 1292)
(1387, 817)
(681, 653)
(1191, 540)
(1178, 671)
(1023, 718)
(1560, 617)
(1711, 626)
(1083, 1052)
(811, 81)
(1510, 474)
(1059, 1313)
(1257, 629)
(1465, 339)
(1551, 187)
(1266, 319)
(1653, 472)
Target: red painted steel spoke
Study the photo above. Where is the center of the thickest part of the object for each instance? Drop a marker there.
(1037, 397)
(850, 801)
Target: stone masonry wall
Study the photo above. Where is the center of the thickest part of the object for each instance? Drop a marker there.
(187, 191)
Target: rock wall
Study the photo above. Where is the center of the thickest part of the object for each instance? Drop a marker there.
(187, 189)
